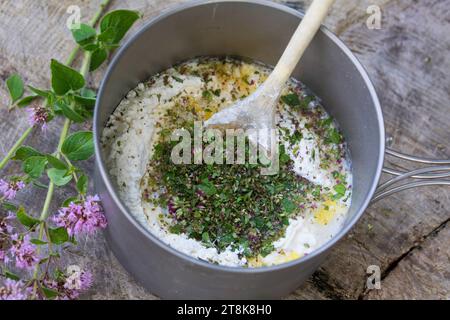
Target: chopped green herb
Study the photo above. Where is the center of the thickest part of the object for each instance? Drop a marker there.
(333, 136)
(235, 205)
(207, 187)
(296, 137)
(206, 94)
(177, 79)
(326, 122)
(294, 101)
(288, 205)
(205, 237)
(306, 101)
(340, 191)
(291, 100)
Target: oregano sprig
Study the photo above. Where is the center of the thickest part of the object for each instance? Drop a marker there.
(113, 28)
(74, 104)
(31, 243)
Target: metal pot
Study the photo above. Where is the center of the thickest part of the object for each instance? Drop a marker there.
(259, 30)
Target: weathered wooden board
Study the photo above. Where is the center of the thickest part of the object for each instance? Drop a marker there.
(423, 273)
(407, 235)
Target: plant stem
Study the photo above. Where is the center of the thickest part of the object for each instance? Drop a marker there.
(69, 61)
(98, 14)
(48, 199)
(92, 23)
(14, 148)
(64, 132)
(86, 63)
(51, 186)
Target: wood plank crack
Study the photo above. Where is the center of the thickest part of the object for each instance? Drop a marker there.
(394, 264)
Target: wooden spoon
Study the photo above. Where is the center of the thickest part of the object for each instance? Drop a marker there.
(257, 111)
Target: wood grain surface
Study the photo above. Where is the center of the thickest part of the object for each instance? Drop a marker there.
(406, 235)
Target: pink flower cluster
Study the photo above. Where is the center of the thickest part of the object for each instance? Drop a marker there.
(78, 218)
(24, 252)
(5, 232)
(69, 287)
(72, 286)
(84, 218)
(9, 189)
(14, 290)
(5, 227)
(38, 116)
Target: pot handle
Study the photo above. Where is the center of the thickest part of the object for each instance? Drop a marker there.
(436, 172)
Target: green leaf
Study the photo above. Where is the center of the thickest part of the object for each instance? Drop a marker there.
(24, 102)
(15, 87)
(9, 206)
(58, 235)
(207, 187)
(326, 122)
(34, 166)
(333, 136)
(284, 157)
(110, 47)
(91, 47)
(68, 201)
(176, 229)
(84, 35)
(340, 188)
(86, 112)
(267, 249)
(56, 163)
(340, 191)
(69, 113)
(205, 237)
(288, 205)
(296, 137)
(38, 242)
(82, 184)
(207, 95)
(84, 101)
(119, 21)
(49, 293)
(88, 93)
(39, 184)
(12, 276)
(306, 101)
(25, 152)
(65, 78)
(25, 219)
(79, 146)
(107, 36)
(59, 177)
(177, 79)
(98, 57)
(291, 100)
(41, 92)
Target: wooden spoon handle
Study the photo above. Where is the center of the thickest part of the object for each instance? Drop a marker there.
(300, 40)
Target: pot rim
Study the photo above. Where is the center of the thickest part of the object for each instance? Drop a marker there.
(114, 196)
